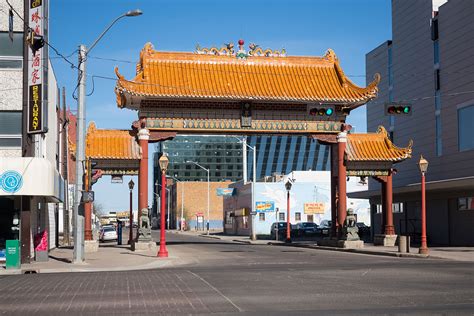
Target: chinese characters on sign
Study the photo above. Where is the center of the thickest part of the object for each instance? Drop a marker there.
(35, 72)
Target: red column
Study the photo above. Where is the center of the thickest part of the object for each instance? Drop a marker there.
(424, 246)
(389, 229)
(143, 136)
(88, 221)
(334, 225)
(163, 252)
(288, 225)
(341, 179)
(383, 202)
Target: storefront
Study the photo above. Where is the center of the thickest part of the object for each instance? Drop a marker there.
(20, 178)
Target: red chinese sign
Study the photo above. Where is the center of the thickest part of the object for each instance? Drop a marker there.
(35, 71)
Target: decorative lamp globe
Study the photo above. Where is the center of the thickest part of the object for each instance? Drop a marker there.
(163, 161)
(131, 184)
(288, 185)
(423, 164)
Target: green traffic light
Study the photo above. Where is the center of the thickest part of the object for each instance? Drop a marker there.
(406, 109)
(329, 111)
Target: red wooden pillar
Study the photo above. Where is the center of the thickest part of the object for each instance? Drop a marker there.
(383, 202)
(334, 204)
(88, 221)
(389, 229)
(143, 137)
(341, 179)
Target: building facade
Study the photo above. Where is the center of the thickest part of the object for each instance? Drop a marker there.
(31, 186)
(428, 65)
(223, 155)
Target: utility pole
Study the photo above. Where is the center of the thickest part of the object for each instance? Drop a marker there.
(65, 129)
(80, 160)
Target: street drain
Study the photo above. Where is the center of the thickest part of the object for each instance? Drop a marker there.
(292, 251)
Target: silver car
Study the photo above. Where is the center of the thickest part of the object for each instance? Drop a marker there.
(108, 233)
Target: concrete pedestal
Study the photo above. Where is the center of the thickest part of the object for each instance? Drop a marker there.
(143, 246)
(91, 246)
(385, 240)
(348, 244)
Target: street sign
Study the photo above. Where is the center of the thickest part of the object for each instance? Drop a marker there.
(12, 254)
(87, 196)
(253, 213)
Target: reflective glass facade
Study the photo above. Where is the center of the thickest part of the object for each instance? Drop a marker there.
(224, 157)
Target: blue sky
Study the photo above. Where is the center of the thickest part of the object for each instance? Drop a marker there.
(350, 27)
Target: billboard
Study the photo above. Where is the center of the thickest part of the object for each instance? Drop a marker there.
(265, 206)
(314, 208)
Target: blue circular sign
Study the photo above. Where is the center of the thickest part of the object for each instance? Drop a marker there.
(11, 181)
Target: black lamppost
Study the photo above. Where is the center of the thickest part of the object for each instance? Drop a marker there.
(288, 185)
(423, 165)
(131, 184)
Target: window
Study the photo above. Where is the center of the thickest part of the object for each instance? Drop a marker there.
(439, 143)
(297, 216)
(465, 119)
(436, 52)
(397, 207)
(281, 217)
(10, 129)
(11, 53)
(466, 203)
(261, 216)
(310, 218)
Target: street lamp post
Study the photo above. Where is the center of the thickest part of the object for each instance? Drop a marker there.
(182, 203)
(254, 174)
(168, 210)
(131, 184)
(81, 133)
(288, 185)
(208, 191)
(163, 252)
(423, 165)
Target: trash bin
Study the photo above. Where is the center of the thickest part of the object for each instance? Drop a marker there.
(12, 254)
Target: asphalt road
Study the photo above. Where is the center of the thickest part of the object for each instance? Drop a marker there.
(215, 277)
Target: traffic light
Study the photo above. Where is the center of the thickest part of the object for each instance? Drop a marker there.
(35, 41)
(321, 110)
(397, 108)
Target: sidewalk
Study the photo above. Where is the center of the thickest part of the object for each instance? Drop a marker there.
(448, 253)
(110, 257)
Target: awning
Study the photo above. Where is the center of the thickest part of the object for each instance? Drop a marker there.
(30, 176)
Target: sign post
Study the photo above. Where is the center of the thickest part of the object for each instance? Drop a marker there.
(13, 254)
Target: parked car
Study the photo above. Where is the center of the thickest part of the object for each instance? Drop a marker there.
(324, 228)
(364, 230)
(306, 228)
(108, 233)
(281, 230)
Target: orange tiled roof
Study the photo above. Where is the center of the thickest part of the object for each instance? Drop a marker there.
(111, 144)
(375, 147)
(204, 76)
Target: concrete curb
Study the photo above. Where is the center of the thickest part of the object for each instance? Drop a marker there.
(361, 251)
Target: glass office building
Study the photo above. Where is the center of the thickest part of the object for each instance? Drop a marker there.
(223, 156)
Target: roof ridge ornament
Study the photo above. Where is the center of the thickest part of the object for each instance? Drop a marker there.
(228, 50)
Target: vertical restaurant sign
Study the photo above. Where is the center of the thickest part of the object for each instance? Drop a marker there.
(35, 71)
